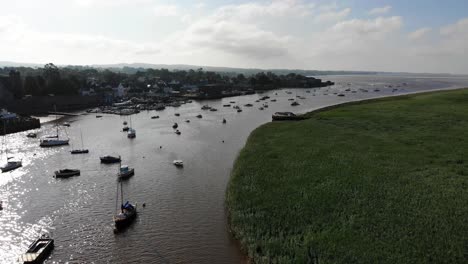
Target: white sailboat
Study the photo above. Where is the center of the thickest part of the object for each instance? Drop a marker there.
(54, 141)
(131, 131)
(82, 150)
(10, 164)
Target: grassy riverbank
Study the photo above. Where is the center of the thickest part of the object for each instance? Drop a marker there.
(377, 182)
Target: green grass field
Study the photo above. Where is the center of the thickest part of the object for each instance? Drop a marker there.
(383, 181)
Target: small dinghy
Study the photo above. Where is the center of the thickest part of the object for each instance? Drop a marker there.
(178, 163)
(125, 172)
(110, 159)
(199, 116)
(175, 126)
(177, 114)
(154, 117)
(224, 121)
(32, 135)
(125, 123)
(131, 133)
(187, 121)
(66, 173)
(125, 128)
(295, 103)
(178, 132)
(38, 250)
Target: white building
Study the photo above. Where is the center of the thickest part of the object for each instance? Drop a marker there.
(120, 91)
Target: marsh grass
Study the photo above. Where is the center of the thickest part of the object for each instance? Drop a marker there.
(376, 182)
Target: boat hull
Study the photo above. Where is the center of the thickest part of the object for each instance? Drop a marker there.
(38, 251)
(126, 175)
(121, 223)
(8, 168)
(53, 143)
(66, 174)
(109, 160)
(79, 151)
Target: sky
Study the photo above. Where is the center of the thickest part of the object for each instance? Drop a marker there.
(374, 35)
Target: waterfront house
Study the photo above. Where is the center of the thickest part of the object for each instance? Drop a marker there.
(120, 91)
(5, 115)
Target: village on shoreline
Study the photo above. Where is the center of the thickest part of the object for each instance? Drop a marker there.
(41, 91)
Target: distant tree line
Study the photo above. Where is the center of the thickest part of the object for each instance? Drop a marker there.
(50, 79)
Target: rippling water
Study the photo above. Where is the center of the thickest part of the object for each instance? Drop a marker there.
(184, 220)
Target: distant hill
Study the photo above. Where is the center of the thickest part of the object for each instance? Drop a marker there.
(133, 67)
(246, 71)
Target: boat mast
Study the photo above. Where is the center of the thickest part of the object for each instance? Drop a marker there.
(56, 123)
(121, 194)
(4, 139)
(82, 143)
(117, 198)
(121, 188)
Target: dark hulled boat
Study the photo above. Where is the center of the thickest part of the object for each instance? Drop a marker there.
(38, 251)
(125, 172)
(110, 159)
(127, 212)
(65, 173)
(79, 151)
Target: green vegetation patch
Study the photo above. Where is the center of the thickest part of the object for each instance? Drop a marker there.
(383, 181)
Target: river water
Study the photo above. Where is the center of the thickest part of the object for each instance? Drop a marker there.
(184, 220)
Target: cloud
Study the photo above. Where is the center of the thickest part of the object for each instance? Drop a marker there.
(331, 16)
(238, 30)
(460, 27)
(380, 10)
(368, 28)
(356, 43)
(420, 33)
(64, 47)
(253, 10)
(243, 40)
(108, 3)
(166, 10)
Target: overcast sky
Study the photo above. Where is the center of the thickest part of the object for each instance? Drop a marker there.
(392, 35)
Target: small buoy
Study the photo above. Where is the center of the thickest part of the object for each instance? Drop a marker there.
(143, 156)
(223, 141)
(144, 204)
(160, 147)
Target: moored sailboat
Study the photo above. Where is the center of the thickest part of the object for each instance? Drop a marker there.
(54, 141)
(131, 131)
(11, 164)
(127, 212)
(82, 150)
